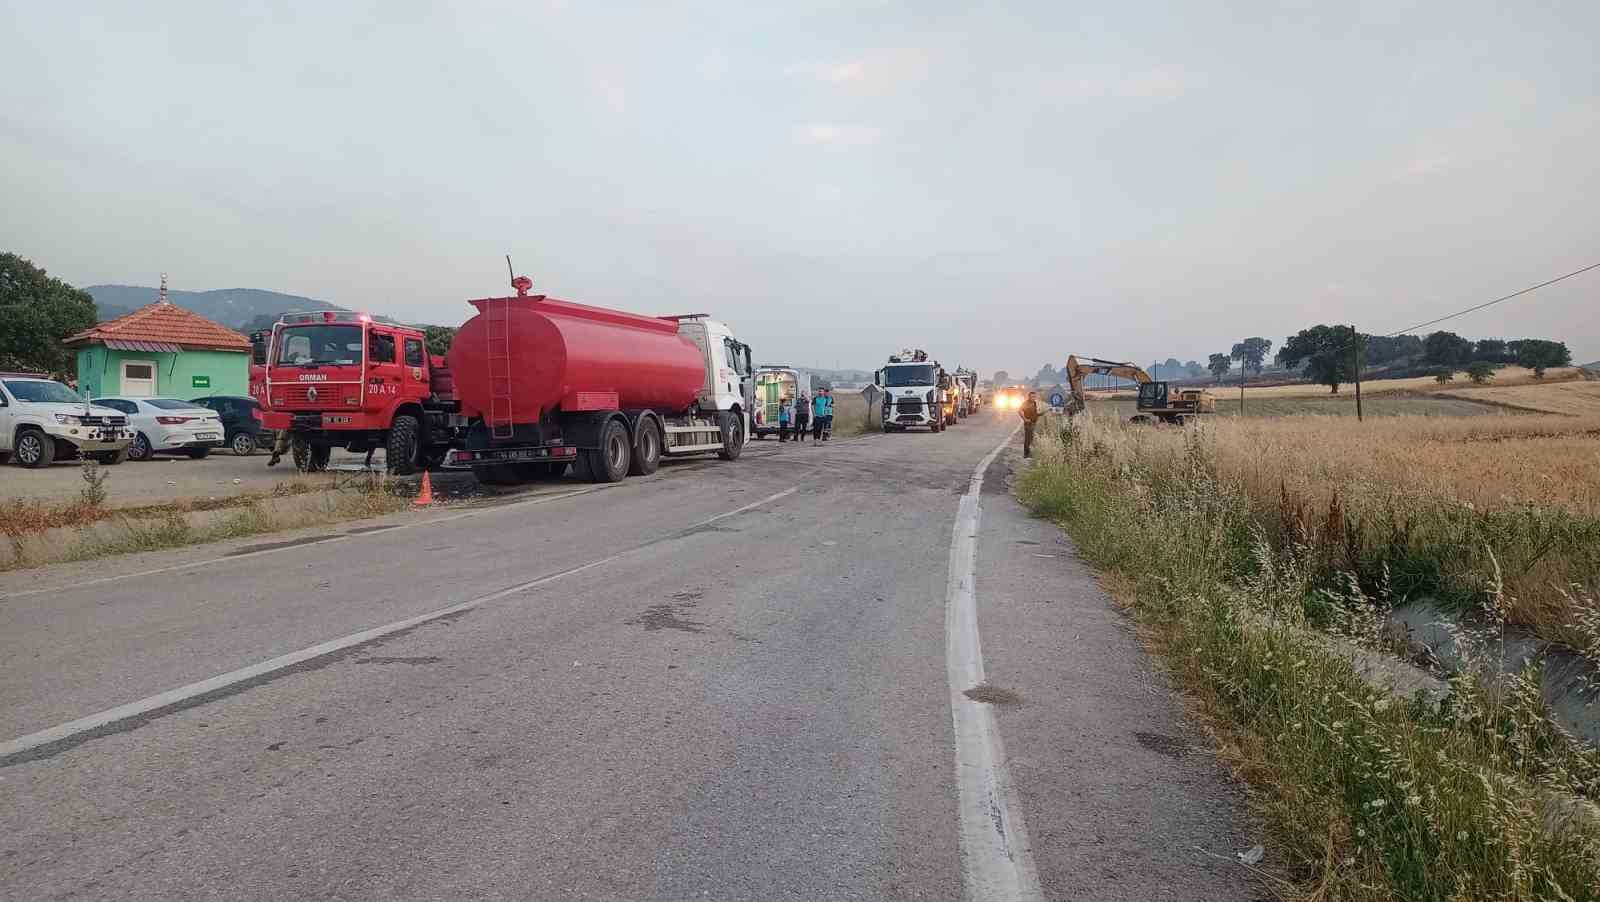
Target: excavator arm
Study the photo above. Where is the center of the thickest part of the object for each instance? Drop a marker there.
(1093, 366)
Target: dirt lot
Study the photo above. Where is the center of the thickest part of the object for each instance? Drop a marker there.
(167, 479)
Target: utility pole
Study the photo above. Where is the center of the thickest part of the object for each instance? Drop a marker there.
(1356, 353)
(1241, 389)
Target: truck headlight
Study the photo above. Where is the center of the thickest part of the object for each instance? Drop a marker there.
(67, 419)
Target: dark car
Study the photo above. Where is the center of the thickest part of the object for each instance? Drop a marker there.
(241, 420)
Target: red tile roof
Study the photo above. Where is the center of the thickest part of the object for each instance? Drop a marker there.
(165, 324)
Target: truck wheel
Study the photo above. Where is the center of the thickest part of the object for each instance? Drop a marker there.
(646, 448)
(309, 458)
(400, 451)
(35, 449)
(610, 462)
(732, 435)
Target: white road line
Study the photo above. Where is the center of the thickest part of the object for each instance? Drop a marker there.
(271, 665)
(541, 499)
(997, 862)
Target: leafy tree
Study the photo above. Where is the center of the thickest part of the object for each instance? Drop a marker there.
(1194, 368)
(36, 313)
(1328, 352)
(1447, 349)
(439, 339)
(1001, 377)
(1251, 353)
(1539, 355)
(1219, 365)
(1480, 371)
(1386, 349)
(1491, 350)
(1444, 375)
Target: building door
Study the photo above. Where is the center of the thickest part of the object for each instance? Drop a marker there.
(138, 378)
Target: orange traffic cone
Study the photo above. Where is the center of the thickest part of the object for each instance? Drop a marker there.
(425, 497)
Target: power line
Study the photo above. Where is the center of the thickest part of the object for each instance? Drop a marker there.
(1576, 272)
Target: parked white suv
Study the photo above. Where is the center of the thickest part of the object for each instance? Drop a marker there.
(168, 426)
(42, 421)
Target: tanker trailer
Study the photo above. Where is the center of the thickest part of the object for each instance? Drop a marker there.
(547, 383)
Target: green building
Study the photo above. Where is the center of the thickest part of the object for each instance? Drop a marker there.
(162, 350)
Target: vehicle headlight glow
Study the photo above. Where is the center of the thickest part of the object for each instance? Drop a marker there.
(68, 419)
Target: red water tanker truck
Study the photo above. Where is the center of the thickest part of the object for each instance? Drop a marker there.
(532, 385)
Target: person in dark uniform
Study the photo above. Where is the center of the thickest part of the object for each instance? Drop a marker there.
(802, 417)
(1029, 411)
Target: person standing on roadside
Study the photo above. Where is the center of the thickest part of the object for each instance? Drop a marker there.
(819, 413)
(802, 417)
(827, 427)
(1029, 411)
(784, 414)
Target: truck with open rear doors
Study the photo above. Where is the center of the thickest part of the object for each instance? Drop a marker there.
(545, 383)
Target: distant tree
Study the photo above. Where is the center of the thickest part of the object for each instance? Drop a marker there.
(1047, 375)
(1194, 368)
(1444, 375)
(36, 313)
(1480, 371)
(1383, 350)
(1491, 350)
(1539, 355)
(1328, 352)
(1001, 377)
(1446, 349)
(439, 339)
(1219, 366)
(1251, 353)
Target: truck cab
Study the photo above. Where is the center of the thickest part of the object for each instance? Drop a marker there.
(42, 421)
(912, 393)
(340, 379)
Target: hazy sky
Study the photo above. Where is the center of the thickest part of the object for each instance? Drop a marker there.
(1001, 186)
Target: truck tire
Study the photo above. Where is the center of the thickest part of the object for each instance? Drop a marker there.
(732, 435)
(646, 448)
(309, 458)
(35, 449)
(610, 461)
(401, 451)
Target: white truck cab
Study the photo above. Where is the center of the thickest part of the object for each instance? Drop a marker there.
(730, 379)
(42, 421)
(912, 393)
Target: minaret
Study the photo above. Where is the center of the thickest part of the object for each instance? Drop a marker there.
(161, 298)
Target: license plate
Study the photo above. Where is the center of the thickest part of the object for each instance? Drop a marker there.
(208, 436)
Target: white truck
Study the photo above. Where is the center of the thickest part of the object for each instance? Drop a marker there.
(914, 393)
(43, 421)
(774, 384)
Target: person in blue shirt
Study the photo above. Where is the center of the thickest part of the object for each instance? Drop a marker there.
(819, 414)
(784, 413)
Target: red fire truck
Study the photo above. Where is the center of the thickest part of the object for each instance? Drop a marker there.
(334, 378)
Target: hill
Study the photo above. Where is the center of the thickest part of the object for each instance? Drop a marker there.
(244, 309)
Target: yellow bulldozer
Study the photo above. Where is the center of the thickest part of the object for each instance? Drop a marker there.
(1157, 402)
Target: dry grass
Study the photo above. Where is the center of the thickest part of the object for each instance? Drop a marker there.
(1506, 376)
(849, 414)
(1574, 398)
(1365, 799)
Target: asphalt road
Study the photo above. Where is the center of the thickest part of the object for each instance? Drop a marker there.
(728, 681)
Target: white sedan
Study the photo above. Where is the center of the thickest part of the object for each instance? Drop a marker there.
(168, 426)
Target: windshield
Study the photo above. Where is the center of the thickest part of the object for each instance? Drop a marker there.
(897, 376)
(170, 404)
(306, 345)
(41, 392)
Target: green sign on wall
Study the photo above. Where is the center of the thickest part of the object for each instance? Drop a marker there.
(201, 381)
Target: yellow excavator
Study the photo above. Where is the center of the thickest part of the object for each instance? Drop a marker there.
(1157, 402)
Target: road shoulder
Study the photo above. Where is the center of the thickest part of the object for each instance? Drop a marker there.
(1123, 799)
